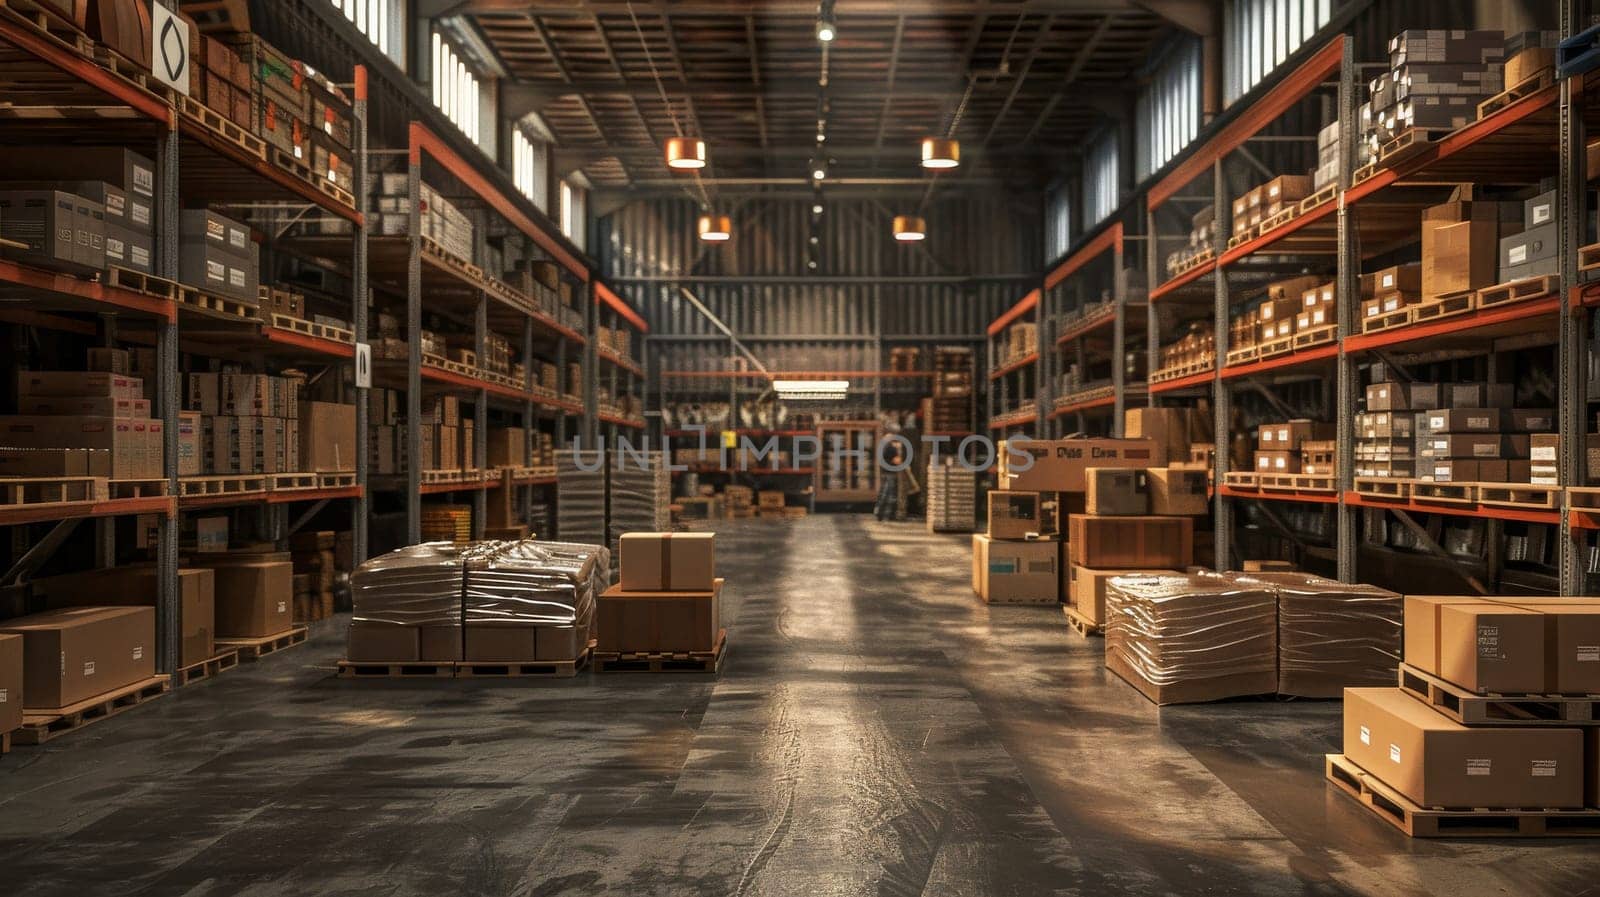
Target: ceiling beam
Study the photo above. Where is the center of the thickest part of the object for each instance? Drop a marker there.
(1082, 59)
(771, 87)
(1197, 17)
(765, 9)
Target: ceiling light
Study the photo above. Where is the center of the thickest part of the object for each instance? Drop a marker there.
(819, 170)
(910, 228)
(940, 152)
(816, 209)
(715, 228)
(826, 30)
(686, 152)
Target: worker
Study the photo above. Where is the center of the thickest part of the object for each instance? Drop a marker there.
(889, 487)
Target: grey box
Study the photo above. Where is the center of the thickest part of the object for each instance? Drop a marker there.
(128, 248)
(1541, 209)
(1480, 395)
(1541, 268)
(130, 171)
(1438, 45)
(1533, 245)
(216, 230)
(53, 225)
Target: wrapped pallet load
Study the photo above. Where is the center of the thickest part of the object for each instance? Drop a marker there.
(1190, 638)
(1333, 635)
(406, 606)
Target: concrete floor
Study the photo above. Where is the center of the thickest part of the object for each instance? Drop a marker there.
(875, 730)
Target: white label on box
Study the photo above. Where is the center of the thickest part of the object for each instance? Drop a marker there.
(1488, 642)
(1486, 450)
(138, 653)
(1394, 753)
(140, 256)
(1518, 254)
(1281, 463)
(1480, 767)
(1478, 423)
(236, 278)
(1388, 281)
(88, 668)
(1544, 769)
(1544, 453)
(1266, 435)
(138, 211)
(1391, 304)
(216, 272)
(1435, 421)
(1541, 213)
(283, 607)
(1589, 653)
(1319, 316)
(3, 696)
(1366, 735)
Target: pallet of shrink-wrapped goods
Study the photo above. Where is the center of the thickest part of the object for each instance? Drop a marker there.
(1191, 638)
(1333, 635)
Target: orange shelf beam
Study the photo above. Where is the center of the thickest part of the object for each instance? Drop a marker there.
(1081, 329)
(1076, 407)
(1009, 367)
(34, 43)
(1183, 280)
(1193, 380)
(1461, 510)
(1110, 238)
(1304, 356)
(1024, 305)
(17, 515)
(1263, 495)
(309, 343)
(603, 294)
(88, 290)
(1482, 318)
(1265, 241)
(1016, 422)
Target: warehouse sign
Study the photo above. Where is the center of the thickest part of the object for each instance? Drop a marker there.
(169, 49)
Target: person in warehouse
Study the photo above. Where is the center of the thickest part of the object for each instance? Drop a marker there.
(889, 486)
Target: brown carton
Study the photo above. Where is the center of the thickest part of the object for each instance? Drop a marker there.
(373, 642)
(10, 682)
(1167, 428)
(1007, 572)
(80, 652)
(1137, 542)
(1058, 465)
(327, 437)
(1491, 648)
(667, 562)
(1175, 492)
(1086, 589)
(1571, 643)
(501, 643)
(137, 587)
(508, 447)
(654, 622)
(78, 384)
(1116, 491)
(1437, 762)
(128, 440)
(1013, 515)
(438, 644)
(254, 597)
(1459, 256)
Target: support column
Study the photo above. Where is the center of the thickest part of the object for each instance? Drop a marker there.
(169, 607)
(1222, 399)
(414, 357)
(1347, 295)
(360, 507)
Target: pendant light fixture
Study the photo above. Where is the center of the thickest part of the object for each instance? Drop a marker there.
(910, 228)
(715, 228)
(686, 153)
(827, 27)
(940, 152)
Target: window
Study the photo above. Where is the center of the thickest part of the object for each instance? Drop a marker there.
(1260, 34)
(1168, 114)
(456, 90)
(574, 211)
(1100, 187)
(1058, 224)
(528, 160)
(379, 20)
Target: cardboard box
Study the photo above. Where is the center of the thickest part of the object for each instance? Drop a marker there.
(254, 598)
(1136, 542)
(1168, 428)
(371, 642)
(1458, 254)
(1116, 491)
(137, 587)
(1480, 446)
(1398, 279)
(327, 437)
(1492, 643)
(134, 444)
(1480, 395)
(1058, 465)
(667, 562)
(78, 384)
(1176, 492)
(1013, 515)
(1436, 762)
(1086, 589)
(44, 462)
(1024, 572)
(508, 447)
(1467, 420)
(655, 622)
(439, 644)
(10, 682)
(501, 643)
(1278, 462)
(1571, 637)
(1287, 437)
(76, 653)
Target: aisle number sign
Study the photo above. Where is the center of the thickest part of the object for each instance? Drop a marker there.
(169, 48)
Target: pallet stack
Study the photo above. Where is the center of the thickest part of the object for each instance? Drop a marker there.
(949, 409)
(249, 423)
(664, 613)
(1492, 729)
(952, 498)
(581, 497)
(639, 499)
(1282, 449)
(76, 424)
(1454, 433)
(1434, 83)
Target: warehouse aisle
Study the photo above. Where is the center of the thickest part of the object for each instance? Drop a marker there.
(875, 730)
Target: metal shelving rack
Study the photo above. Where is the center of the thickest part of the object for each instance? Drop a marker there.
(1022, 378)
(1067, 288)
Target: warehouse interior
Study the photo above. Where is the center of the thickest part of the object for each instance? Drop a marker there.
(696, 447)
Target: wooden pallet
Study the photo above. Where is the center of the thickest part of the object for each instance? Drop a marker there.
(467, 269)
(1363, 174)
(205, 669)
(1589, 257)
(312, 328)
(1404, 145)
(1246, 480)
(302, 170)
(1242, 355)
(1326, 194)
(220, 306)
(1472, 709)
(421, 670)
(123, 489)
(1316, 336)
(1584, 498)
(1296, 482)
(222, 126)
(48, 26)
(19, 491)
(141, 283)
(1385, 488)
(1396, 809)
(445, 364)
(1279, 219)
(1519, 291)
(1081, 624)
(1447, 306)
(664, 662)
(1182, 370)
(40, 726)
(1519, 495)
(443, 476)
(1272, 348)
(1387, 321)
(533, 669)
(1444, 493)
(1523, 89)
(1243, 236)
(221, 485)
(340, 480)
(257, 648)
(288, 482)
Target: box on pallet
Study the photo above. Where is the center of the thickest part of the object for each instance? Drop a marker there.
(72, 654)
(1011, 571)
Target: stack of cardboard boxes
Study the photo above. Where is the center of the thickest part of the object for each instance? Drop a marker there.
(952, 498)
(1264, 202)
(1294, 306)
(254, 591)
(949, 409)
(1288, 448)
(318, 557)
(667, 599)
(78, 210)
(1454, 433)
(248, 423)
(1195, 348)
(1532, 253)
(442, 222)
(52, 660)
(1202, 238)
(1434, 82)
(1390, 290)
(79, 424)
(1455, 650)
